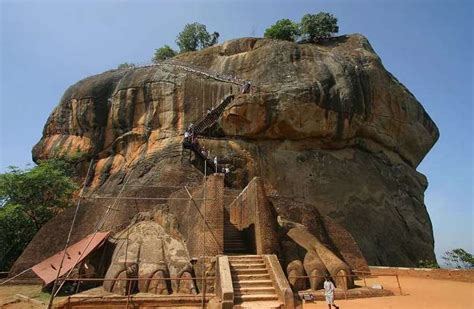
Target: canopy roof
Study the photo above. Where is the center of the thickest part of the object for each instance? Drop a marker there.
(47, 270)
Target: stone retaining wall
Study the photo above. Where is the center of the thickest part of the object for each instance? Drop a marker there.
(464, 275)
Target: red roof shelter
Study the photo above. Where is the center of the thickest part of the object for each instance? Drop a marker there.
(47, 270)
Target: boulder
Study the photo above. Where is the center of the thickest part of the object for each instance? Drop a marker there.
(324, 124)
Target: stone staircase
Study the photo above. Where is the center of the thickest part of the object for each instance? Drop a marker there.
(253, 286)
(234, 242)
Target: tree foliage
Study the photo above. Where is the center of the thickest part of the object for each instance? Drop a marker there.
(284, 29)
(163, 53)
(28, 199)
(126, 65)
(459, 258)
(318, 26)
(427, 264)
(195, 36)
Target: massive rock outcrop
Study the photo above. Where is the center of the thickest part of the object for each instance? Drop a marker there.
(325, 125)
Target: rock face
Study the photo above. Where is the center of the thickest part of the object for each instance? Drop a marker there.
(146, 250)
(325, 125)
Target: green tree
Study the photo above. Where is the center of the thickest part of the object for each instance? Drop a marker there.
(126, 65)
(28, 199)
(284, 29)
(318, 26)
(459, 258)
(195, 36)
(163, 53)
(427, 264)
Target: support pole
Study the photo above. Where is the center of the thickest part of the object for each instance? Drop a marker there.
(54, 292)
(399, 286)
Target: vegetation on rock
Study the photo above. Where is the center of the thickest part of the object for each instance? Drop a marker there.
(318, 26)
(163, 53)
(427, 264)
(284, 29)
(28, 199)
(194, 37)
(312, 27)
(459, 258)
(126, 65)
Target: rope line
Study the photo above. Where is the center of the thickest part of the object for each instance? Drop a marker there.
(99, 225)
(70, 233)
(16, 276)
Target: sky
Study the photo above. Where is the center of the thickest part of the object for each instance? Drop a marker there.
(47, 46)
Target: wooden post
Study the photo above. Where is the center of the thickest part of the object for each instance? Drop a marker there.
(399, 286)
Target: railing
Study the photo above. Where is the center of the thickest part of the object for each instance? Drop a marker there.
(223, 283)
(282, 286)
(208, 120)
(130, 297)
(360, 274)
(189, 67)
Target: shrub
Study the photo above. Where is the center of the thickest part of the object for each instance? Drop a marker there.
(317, 26)
(284, 29)
(163, 53)
(427, 264)
(459, 258)
(126, 65)
(195, 36)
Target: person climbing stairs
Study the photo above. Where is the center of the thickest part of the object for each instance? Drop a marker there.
(211, 118)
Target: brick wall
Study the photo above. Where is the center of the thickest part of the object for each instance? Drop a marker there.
(252, 207)
(203, 237)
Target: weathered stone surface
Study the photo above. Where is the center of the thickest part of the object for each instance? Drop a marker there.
(327, 125)
(145, 250)
(318, 260)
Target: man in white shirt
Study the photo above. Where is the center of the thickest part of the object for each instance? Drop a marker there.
(329, 292)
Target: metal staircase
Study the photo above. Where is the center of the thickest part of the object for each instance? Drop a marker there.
(211, 118)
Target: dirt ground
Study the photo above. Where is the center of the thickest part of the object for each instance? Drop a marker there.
(8, 292)
(418, 293)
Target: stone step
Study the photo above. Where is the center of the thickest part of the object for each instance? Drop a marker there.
(252, 283)
(233, 239)
(232, 233)
(246, 257)
(248, 277)
(255, 290)
(235, 250)
(249, 271)
(245, 261)
(248, 265)
(234, 246)
(271, 304)
(254, 297)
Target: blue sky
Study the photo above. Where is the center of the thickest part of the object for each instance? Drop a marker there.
(428, 45)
